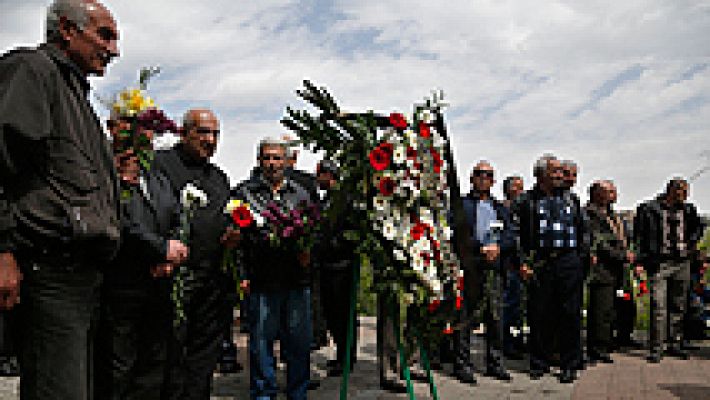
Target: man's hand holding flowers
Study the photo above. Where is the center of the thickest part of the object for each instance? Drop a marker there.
(491, 252)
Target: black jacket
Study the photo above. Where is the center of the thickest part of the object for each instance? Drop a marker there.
(507, 235)
(208, 224)
(266, 267)
(56, 166)
(333, 250)
(648, 230)
(149, 218)
(526, 221)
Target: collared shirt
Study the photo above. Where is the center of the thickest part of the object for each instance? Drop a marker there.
(673, 228)
(485, 215)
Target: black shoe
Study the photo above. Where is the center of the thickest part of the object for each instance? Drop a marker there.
(513, 355)
(313, 384)
(418, 375)
(600, 357)
(678, 353)
(536, 374)
(393, 386)
(335, 369)
(654, 357)
(498, 372)
(567, 376)
(465, 375)
(9, 367)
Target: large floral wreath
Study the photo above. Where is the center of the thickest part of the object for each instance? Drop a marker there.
(394, 189)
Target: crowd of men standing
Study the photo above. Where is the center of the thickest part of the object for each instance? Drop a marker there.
(91, 240)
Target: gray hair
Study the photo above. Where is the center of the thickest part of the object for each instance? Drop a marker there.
(540, 166)
(569, 164)
(76, 11)
(272, 141)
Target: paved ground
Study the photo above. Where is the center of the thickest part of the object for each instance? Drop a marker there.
(630, 377)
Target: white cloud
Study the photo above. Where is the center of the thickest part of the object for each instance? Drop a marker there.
(607, 83)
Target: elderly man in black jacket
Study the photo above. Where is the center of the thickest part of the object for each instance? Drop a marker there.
(61, 225)
(667, 230)
(210, 293)
(554, 244)
(136, 318)
(490, 235)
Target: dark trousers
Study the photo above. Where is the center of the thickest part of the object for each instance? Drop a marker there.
(134, 330)
(58, 318)
(195, 346)
(8, 332)
(285, 314)
(554, 305)
(336, 286)
(492, 309)
(511, 313)
(600, 317)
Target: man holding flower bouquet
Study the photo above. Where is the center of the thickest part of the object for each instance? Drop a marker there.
(136, 311)
(277, 228)
(203, 294)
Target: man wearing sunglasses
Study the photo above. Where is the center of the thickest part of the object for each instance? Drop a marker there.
(486, 221)
(209, 294)
(667, 230)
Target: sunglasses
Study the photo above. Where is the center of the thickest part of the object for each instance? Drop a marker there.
(482, 173)
(207, 131)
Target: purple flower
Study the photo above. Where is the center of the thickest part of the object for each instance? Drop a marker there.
(287, 232)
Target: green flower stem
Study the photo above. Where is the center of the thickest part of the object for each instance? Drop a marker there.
(351, 334)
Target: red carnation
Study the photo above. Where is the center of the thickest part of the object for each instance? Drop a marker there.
(397, 120)
(387, 147)
(459, 301)
(448, 330)
(433, 305)
(411, 153)
(417, 231)
(424, 130)
(387, 186)
(627, 296)
(242, 217)
(379, 159)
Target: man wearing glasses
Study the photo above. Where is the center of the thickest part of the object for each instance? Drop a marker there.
(207, 304)
(485, 217)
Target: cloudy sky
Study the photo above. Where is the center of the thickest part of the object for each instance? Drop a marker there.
(623, 87)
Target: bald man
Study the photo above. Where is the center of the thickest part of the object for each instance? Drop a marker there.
(210, 293)
(59, 224)
(487, 223)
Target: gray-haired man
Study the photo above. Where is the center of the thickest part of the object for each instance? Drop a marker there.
(62, 225)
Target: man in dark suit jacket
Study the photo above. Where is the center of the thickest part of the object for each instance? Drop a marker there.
(485, 216)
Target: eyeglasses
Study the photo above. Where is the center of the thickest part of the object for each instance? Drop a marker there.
(482, 173)
(207, 131)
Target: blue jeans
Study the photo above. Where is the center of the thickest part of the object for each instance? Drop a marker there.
(284, 314)
(511, 311)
